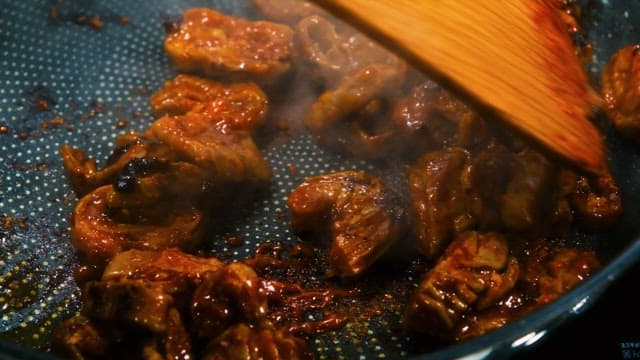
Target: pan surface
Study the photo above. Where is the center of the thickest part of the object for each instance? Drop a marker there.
(66, 81)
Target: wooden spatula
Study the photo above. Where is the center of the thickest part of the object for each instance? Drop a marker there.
(513, 58)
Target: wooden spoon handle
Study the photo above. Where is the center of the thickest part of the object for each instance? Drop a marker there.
(513, 58)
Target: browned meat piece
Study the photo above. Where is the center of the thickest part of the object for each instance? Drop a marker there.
(142, 290)
(518, 192)
(439, 201)
(223, 109)
(566, 268)
(83, 173)
(175, 343)
(549, 271)
(146, 187)
(203, 153)
(352, 94)
(430, 118)
(136, 320)
(235, 106)
(475, 272)
(486, 178)
(621, 91)
(330, 51)
(127, 304)
(597, 202)
(78, 339)
(227, 156)
(535, 200)
(362, 82)
(353, 116)
(164, 265)
(97, 236)
(226, 297)
(286, 11)
(214, 133)
(511, 307)
(139, 303)
(176, 273)
(213, 44)
(243, 342)
(526, 199)
(480, 324)
(364, 218)
(494, 189)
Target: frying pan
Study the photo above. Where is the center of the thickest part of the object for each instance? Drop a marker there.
(67, 80)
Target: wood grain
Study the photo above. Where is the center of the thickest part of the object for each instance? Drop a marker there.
(512, 58)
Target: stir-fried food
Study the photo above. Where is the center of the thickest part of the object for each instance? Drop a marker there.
(84, 174)
(361, 81)
(152, 192)
(476, 209)
(225, 156)
(170, 266)
(549, 272)
(231, 295)
(352, 115)
(171, 304)
(517, 191)
(145, 300)
(475, 272)
(264, 342)
(546, 272)
(361, 214)
(429, 118)
(98, 233)
(621, 91)
(439, 199)
(455, 189)
(597, 201)
(329, 51)
(136, 308)
(218, 116)
(210, 43)
(236, 106)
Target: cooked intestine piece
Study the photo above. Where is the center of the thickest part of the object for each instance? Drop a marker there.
(239, 106)
(329, 51)
(597, 201)
(229, 296)
(353, 116)
(168, 265)
(474, 273)
(84, 173)
(251, 342)
(621, 91)
(431, 118)
(226, 155)
(210, 43)
(230, 111)
(549, 272)
(98, 235)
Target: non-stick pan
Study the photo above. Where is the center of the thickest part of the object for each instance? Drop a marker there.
(81, 72)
